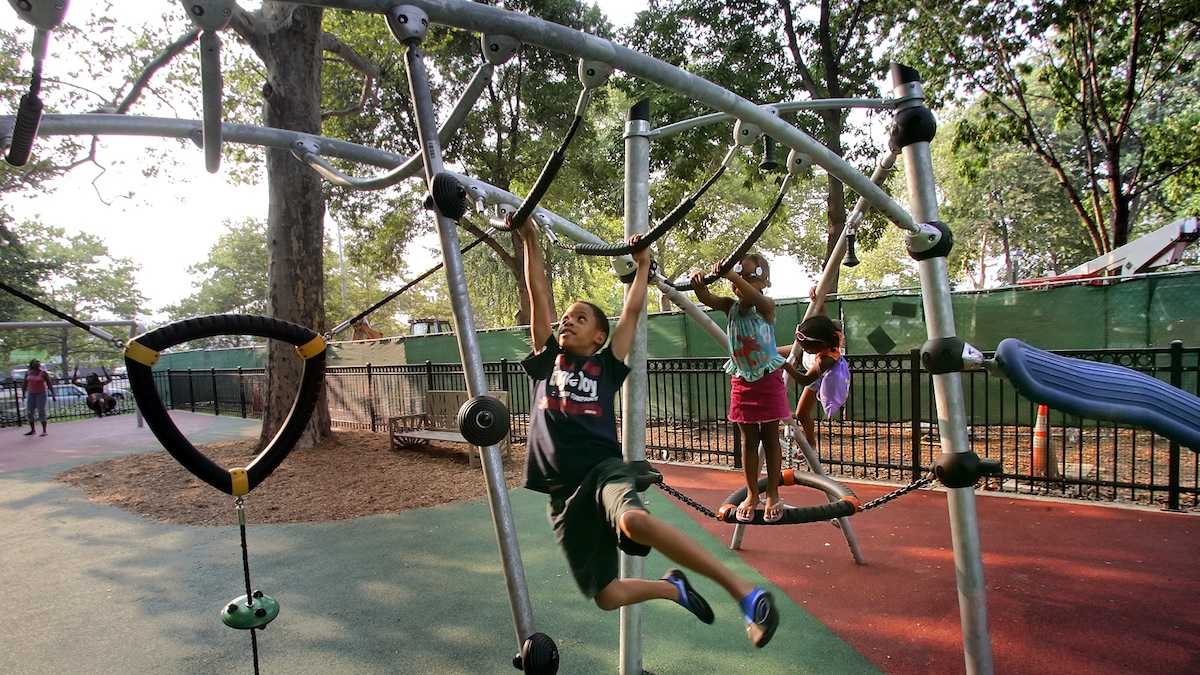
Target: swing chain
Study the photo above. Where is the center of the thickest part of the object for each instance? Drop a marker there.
(240, 505)
(687, 500)
(895, 494)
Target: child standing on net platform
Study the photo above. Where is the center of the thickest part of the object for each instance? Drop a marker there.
(758, 397)
(575, 458)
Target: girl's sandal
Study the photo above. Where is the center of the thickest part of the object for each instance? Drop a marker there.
(745, 512)
(773, 513)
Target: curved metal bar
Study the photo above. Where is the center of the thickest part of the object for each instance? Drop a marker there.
(742, 248)
(211, 95)
(781, 107)
(412, 165)
(531, 30)
(669, 221)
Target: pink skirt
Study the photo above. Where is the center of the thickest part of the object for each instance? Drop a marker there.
(763, 400)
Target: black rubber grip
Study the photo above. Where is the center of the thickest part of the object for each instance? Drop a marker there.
(25, 128)
(549, 172)
(141, 383)
(672, 219)
(1101, 391)
(845, 504)
(747, 243)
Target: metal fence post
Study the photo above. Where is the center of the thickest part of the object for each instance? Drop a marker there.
(428, 376)
(241, 392)
(191, 390)
(170, 390)
(371, 396)
(504, 387)
(914, 396)
(216, 398)
(1173, 469)
(17, 402)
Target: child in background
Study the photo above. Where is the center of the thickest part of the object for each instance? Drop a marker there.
(575, 458)
(758, 397)
(826, 375)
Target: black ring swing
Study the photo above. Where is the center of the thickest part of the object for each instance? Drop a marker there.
(845, 503)
(142, 352)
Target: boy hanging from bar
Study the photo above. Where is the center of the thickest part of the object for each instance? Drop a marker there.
(575, 458)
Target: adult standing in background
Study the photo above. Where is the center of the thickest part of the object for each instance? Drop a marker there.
(38, 384)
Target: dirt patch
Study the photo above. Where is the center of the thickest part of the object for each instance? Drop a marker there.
(352, 474)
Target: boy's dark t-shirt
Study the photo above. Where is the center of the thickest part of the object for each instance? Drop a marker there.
(572, 425)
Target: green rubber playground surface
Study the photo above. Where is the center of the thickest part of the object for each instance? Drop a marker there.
(93, 589)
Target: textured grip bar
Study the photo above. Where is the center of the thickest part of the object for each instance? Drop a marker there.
(29, 117)
(672, 219)
(1101, 391)
(549, 173)
(747, 243)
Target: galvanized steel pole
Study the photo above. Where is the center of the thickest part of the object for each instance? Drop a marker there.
(468, 347)
(634, 393)
(948, 394)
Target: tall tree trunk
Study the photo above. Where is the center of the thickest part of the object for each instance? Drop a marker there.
(1120, 201)
(1009, 270)
(289, 37)
(982, 261)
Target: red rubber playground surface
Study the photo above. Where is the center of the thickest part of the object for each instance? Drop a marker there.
(1072, 588)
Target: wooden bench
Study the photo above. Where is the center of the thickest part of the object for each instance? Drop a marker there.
(438, 424)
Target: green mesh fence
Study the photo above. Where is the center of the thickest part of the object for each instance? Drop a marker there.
(1143, 312)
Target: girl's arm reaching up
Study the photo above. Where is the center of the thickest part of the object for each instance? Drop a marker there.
(710, 299)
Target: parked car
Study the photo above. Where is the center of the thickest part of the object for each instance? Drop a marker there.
(67, 397)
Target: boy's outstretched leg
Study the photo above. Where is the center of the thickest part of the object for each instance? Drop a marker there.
(757, 605)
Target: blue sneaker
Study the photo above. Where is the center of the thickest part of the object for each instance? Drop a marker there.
(688, 597)
(762, 618)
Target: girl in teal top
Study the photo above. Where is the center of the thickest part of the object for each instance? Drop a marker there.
(758, 397)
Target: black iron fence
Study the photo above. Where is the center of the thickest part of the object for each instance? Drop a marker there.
(886, 431)
(69, 401)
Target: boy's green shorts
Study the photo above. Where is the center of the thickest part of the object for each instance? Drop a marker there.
(585, 523)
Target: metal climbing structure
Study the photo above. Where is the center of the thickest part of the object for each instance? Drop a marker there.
(453, 195)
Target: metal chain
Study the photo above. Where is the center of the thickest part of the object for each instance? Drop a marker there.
(687, 500)
(874, 503)
(240, 505)
(894, 494)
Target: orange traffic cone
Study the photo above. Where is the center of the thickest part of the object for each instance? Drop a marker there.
(1044, 464)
